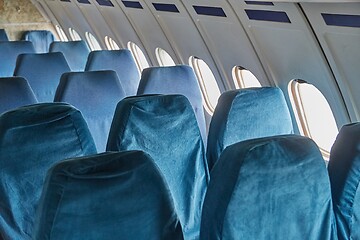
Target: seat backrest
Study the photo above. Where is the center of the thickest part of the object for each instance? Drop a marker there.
(41, 39)
(165, 127)
(43, 72)
(96, 95)
(344, 172)
(3, 35)
(15, 92)
(107, 196)
(32, 139)
(178, 79)
(269, 188)
(122, 62)
(75, 53)
(246, 114)
(9, 51)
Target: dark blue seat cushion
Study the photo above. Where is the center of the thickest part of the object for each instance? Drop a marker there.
(269, 188)
(43, 72)
(75, 53)
(344, 171)
(15, 92)
(32, 139)
(122, 62)
(96, 95)
(9, 51)
(107, 196)
(41, 39)
(246, 114)
(179, 79)
(165, 127)
(3, 35)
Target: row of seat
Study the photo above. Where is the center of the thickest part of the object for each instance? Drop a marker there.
(274, 186)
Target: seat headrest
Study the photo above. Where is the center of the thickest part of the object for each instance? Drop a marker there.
(9, 52)
(3, 35)
(344, 172)
(178, 79)
(15, 92)
(131, 198)
(43, 72)
(246, 114)
(75, 52)
(122, 62)
(32, 139)
(41, 39)
(269, 188)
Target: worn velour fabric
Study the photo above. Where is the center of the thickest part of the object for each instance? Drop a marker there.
(246, 114)
(107, 196)
(32, 139)
(269, 188)
(15, 92)
(122, 62)
(75, 53)
(178, 79)
(165, 127)
(43, 72)
(9, 51)
(41, 39)
(344, 171)
(3, 35)
(96, 95)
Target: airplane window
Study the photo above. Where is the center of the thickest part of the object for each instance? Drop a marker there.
(93, 43)
(139, 56)
(313, 115)
(111, 44)
(164, 59)
(209, 88)
(75, 36)
(244, 78)
(61, 33)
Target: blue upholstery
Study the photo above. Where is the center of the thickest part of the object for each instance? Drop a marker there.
(43, 72)
(32, 139)
(3, 35)
(269, 188)
(344, 171)
(122, 62)
(179, 79)
(9, 52)
(41, 39)
(75, 53)
(246, 114)
(165, 127)
(107, 196)
(15, 92)
(96, 95)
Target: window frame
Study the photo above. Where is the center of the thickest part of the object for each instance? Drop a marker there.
(238, 78)
(61, 33)
(74, 35)
(92, 41)
(135, 51)
(158, 52)
(111, 43)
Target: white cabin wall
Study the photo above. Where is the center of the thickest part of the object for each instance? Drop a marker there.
(341, 46)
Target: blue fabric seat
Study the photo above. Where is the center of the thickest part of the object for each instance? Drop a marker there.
(3, 35)
(96, 95)
(41, 39)
(15, 92)
(344, 171)
(246, 114)
(107, 196)
(165, 127)
(269, 188)
(43, 72)
(75, 53)
(32, 139)
(178, 79)
(122, 62)
(9, 51)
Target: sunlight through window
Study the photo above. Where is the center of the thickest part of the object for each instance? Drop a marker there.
(209, 88)
(313, 115)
